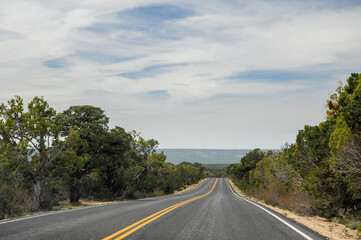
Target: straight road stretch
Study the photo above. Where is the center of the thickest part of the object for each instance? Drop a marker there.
(210, 211)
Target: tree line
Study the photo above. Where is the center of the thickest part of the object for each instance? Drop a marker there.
(47, 156)
(321, 172)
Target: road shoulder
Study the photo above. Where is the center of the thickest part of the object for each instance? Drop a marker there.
(322, 226)
(86, 203)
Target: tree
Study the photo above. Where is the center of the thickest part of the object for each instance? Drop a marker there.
(141, 150)
(114, 160)
(352, 111)
(172, 178)
(30, 140)
(349, 165)
(144, 148)
(249, 162)
(91, 125)
(345, 140)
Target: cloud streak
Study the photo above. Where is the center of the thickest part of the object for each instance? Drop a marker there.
(218, 75)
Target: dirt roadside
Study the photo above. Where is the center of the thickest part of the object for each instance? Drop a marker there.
(331, 230)
(190, 187)
(65, 205)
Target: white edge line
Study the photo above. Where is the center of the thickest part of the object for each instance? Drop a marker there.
(57, 212)
(273, 215)
(71, 210)
(175, 194)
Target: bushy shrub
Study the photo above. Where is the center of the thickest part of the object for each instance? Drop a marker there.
(355, 226)
(13, 201)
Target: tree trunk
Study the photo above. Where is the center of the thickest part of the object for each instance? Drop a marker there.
(36, 195)
(74, 194)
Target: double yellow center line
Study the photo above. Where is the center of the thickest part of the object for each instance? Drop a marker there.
(135, 226)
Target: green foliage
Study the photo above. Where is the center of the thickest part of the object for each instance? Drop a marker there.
(340, 136)
(216, 170)
(247, 163)
(275, 181)
(321, 171)
(343, 96)
(88, 125)
(14, 201)
(355, 226)
(352, 111)
(30, 141)
(52, 157)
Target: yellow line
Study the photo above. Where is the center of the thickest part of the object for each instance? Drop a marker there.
(153, 217)
(134, 224)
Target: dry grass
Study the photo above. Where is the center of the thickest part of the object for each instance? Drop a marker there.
(190, 187)
(87, 202)
(331, 230)
(296, 200)
(65, 205)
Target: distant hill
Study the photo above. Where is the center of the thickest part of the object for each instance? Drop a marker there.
(204, 156)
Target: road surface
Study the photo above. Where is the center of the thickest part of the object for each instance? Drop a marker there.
(210, 211)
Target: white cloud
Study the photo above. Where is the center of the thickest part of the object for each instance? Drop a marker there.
(192, 59)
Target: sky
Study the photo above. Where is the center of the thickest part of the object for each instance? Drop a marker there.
(220, 74)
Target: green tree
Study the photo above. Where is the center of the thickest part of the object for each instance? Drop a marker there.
(91, 125)
(30, 140)
(114, 160)
(172, 178)
(242, 170)
(142, 149)
(345, 140)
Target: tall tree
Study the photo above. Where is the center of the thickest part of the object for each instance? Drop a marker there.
(91, 125)
(115, 158)
(32, 137)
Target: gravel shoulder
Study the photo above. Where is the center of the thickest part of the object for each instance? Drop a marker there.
(331, 230)
(65, 205)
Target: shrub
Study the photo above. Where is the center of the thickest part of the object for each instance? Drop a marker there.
(13, 201)
(354, 226)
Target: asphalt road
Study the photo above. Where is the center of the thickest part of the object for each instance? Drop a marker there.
(210, 211)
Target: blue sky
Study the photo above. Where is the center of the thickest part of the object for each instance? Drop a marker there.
(220, 74)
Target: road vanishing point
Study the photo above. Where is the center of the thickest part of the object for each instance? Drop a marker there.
(210, 211)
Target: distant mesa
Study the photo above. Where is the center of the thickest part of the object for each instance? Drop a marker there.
(205, 156)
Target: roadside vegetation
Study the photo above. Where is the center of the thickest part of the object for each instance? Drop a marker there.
(216, 170)
(47, 158)
(320, 174)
